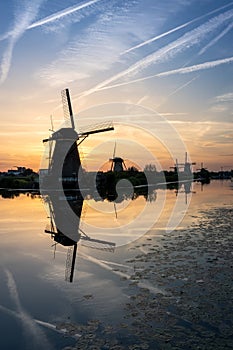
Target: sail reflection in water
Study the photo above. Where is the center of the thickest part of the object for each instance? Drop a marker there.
(63, 221)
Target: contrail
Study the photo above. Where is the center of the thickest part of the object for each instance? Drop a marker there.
(187, 40)
(27, 321)
(177, 90)
(39, 322)
(216, 39)
(197, 67)
(20, 26)
(61, 14)
(174, 29)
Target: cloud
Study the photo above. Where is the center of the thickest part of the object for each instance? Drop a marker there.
(186, 41)
(23, 17)
(155, 38)
(37, 336)
(168, 52)
(97, 48)
(59, 15)
(197, 67)
(216, 39)
(184, 70)
(225, 97)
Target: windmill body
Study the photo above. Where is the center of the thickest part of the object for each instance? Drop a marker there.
(117, 163)
(186, 166)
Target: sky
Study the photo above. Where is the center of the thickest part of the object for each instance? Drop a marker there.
(160, 70)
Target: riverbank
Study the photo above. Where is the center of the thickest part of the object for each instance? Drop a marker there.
(193, 270)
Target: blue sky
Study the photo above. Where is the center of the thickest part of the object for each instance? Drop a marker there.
(174, 57)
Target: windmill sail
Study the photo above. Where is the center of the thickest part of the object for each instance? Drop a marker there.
(67, 107)
(95, 128)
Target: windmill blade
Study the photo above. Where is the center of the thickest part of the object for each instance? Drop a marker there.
(111, 164)
(67, 107)
(115, 209)
(114, 151)
(70, 263)
(96, 128)
(96, 243)
(51, 121)
(124, 165)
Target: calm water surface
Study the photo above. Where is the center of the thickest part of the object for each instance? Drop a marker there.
(34, 295)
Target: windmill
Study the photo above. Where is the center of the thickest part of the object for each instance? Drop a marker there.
(186, 166)
(203, 175)
(63, 146)
(175, 167)
(117, 163)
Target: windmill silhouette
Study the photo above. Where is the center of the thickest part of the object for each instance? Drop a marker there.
(186, 166)
(64, 228)
(117, 163)
(63, 147)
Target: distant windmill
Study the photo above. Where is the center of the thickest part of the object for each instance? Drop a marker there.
(63, 145)
(187, 171)
(117, 163)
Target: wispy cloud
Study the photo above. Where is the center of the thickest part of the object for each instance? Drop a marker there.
(168, 52)
(97, 49)
(225, 97)
(186, 41)
(23, 17)
(216, 39)
(157, 37)
(184, 70)
(23, 21)
(197, 67)
(37, 336)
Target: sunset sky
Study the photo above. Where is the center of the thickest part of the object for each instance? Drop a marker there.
(162, 71)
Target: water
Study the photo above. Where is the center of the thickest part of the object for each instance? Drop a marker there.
(34, 296)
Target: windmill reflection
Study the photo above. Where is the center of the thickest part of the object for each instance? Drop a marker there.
(186, 188)
(64, 227)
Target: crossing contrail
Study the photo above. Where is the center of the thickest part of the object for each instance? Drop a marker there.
(28, 12)
(22, 24)
(216, 39)
(62, 13)
(188, 40)
(174, 29)
(189, 69)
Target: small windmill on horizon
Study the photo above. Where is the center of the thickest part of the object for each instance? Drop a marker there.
(186, 166)
(117, 163)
